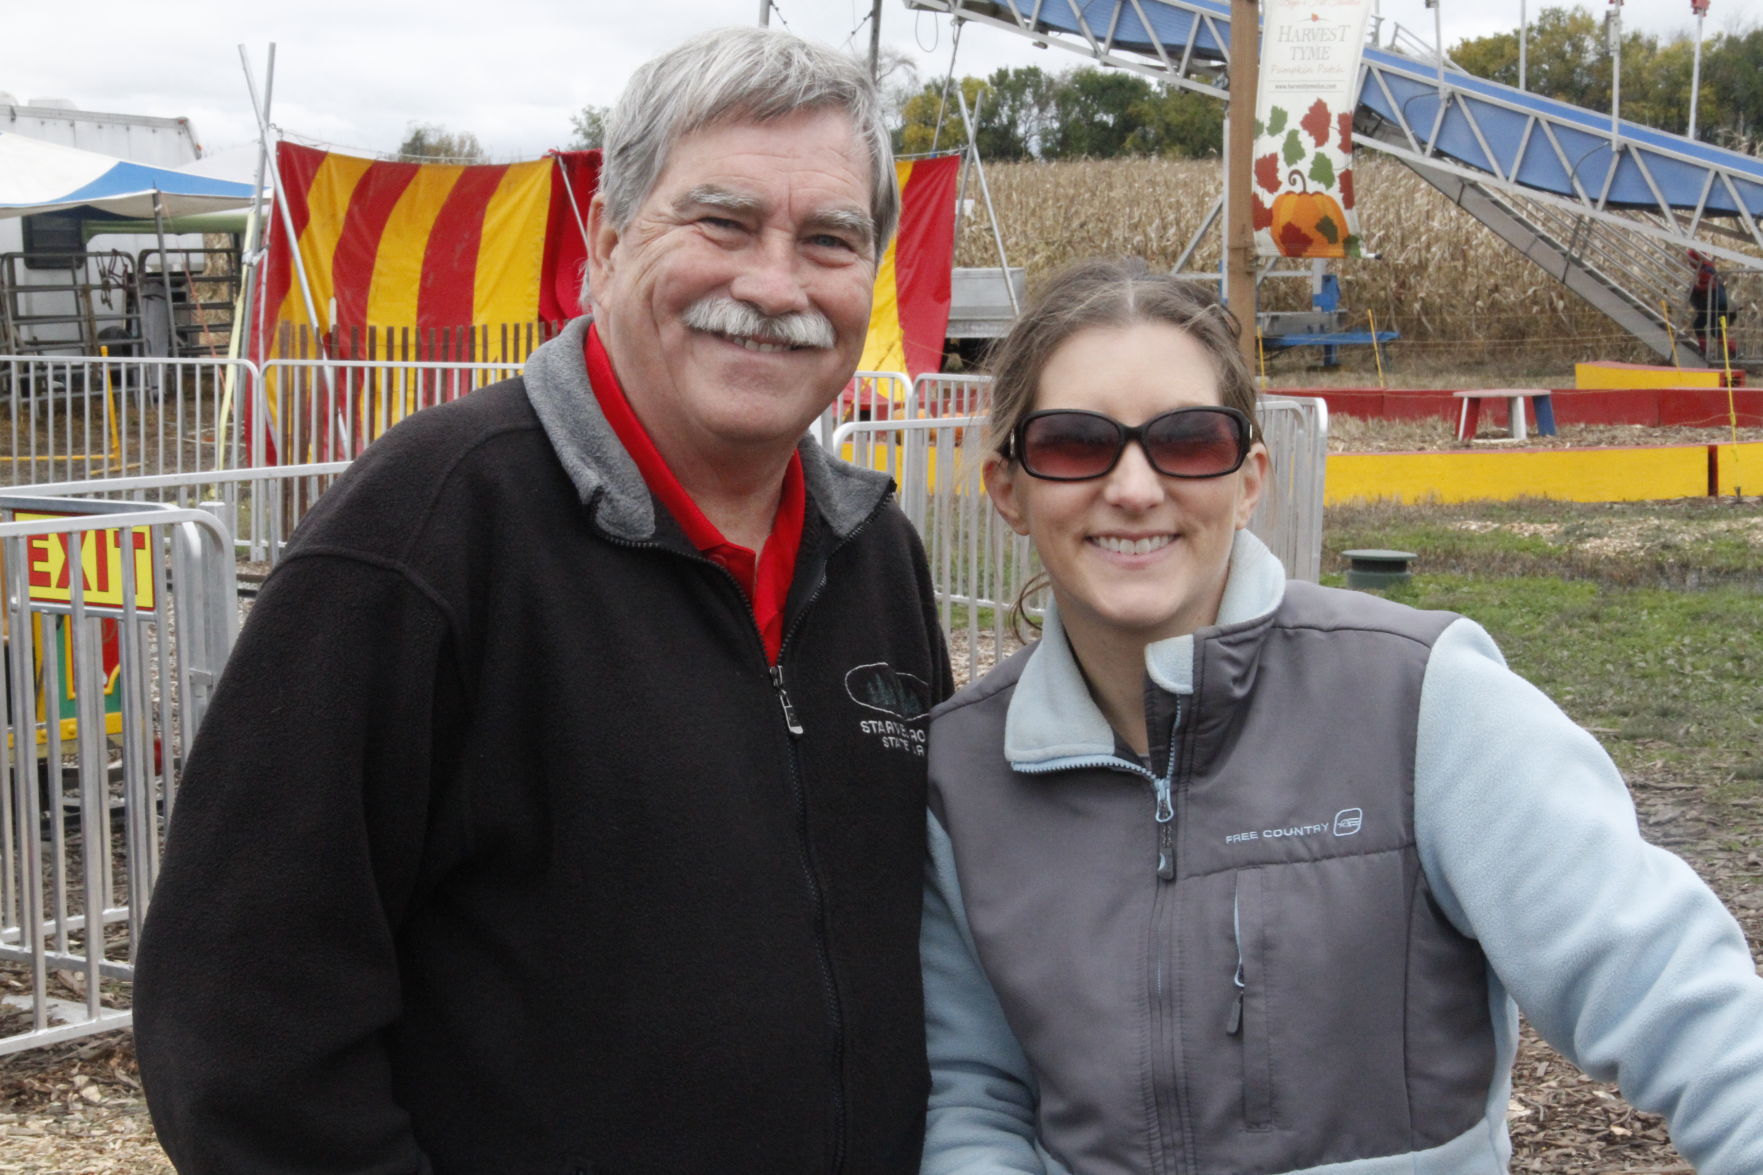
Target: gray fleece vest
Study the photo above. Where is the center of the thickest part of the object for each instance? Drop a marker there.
(1284, 993)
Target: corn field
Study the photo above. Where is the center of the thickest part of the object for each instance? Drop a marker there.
(1463, 300)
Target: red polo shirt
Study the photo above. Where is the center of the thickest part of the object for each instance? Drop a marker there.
(765, 576)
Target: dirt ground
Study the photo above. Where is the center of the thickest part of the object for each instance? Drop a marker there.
(77, 1108)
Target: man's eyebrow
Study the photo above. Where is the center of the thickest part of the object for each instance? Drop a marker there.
(847, 220)
(712, 196)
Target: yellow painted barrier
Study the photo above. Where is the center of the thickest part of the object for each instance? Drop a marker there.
(1740, 468)
(885, 459)
(1574, 475)
(1611, 375)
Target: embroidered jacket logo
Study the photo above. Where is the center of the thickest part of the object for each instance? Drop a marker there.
(878, 686)
(903, 697)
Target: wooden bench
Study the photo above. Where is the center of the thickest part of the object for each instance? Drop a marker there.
(1470, 415)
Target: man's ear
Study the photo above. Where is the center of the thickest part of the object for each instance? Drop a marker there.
(602, 240)
(1003, 484)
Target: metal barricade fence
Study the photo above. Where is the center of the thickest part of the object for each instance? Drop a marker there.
(1289, 516)
(259, 507)
(118, 622)
(870, 395)
(943, 394)
(319, 410)
(978, 565)
(69, 417)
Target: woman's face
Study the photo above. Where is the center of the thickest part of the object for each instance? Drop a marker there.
(1133, 553)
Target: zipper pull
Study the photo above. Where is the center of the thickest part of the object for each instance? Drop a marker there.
(1165, 853)
(1235, 1024)
(783, 696)
(1165, 801)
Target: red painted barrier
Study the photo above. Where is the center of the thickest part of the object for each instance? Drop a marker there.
(1651, 407)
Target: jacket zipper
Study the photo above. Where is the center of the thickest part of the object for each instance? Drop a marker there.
(817, 897)
(835, 1007)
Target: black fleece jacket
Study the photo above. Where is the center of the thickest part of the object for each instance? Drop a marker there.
(497, 853)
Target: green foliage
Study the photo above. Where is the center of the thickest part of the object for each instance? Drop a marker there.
(1015, 113)
(1568, 59)
(1024, 112)
(589, 127)
(1097, 113)
(429, 140)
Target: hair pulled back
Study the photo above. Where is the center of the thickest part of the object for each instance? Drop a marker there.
(1111, 293)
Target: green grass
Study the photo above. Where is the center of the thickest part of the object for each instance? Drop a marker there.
(1593, 605)
(1695, 542)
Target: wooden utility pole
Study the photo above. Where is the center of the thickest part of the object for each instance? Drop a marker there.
(764, 14)
(1239, 230)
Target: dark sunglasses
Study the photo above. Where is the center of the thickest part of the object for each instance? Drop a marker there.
(1069, 444)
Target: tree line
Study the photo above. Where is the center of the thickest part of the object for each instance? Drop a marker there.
(1567, 57)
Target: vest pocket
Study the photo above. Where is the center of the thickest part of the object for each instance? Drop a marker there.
(1250, 1019)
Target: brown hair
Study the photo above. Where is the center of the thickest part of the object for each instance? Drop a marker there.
(1107, 293)
(1111, 293)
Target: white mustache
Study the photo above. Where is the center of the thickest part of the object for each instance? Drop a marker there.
(722, 315)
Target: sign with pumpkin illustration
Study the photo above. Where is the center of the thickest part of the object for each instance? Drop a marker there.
(1302, 194)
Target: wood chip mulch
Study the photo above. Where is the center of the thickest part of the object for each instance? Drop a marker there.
(77, 1108)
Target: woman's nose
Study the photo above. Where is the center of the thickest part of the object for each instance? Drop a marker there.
(1133, 484)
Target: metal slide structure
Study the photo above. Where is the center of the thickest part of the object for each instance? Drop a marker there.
(1608, 207)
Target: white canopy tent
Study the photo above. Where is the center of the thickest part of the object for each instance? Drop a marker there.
(38, 176)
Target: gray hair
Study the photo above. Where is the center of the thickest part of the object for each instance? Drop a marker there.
(732, 76)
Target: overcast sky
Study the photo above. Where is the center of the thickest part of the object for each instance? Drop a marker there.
(356, 73)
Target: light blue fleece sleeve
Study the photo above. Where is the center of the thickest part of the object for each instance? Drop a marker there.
(1614, 948)
(981, 1118)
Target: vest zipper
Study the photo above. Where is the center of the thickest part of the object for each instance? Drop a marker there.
(1168, 1103)
(1165, 789)
(1235, 1024)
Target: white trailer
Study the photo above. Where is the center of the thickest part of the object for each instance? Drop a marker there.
(69, 285)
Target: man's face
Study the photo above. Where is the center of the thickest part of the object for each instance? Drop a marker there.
(747, 223)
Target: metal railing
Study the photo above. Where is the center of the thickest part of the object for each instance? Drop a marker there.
(1289, 516)
(64, 417)
(117, 625)
(871, 395)
(330, 410)
(978, 565)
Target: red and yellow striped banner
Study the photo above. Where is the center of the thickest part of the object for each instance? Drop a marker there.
(421, 246)
(425, 261)
(910, 314)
